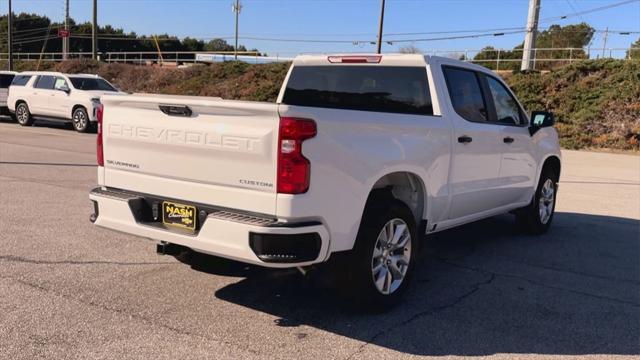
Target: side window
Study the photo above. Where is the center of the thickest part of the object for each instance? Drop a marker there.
(20, 80)
(466, 94)
(5, 80)
(60, 83)
(45, 82)
(507, 109)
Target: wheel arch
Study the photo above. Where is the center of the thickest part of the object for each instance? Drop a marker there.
(75, 107)
(406, 186)
(553, 162)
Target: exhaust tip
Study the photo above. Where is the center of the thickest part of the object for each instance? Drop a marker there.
(93, 217)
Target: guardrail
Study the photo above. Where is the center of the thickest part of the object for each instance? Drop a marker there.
(506, 59)
(495, 58)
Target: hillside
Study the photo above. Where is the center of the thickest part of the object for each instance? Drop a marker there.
(596, 102)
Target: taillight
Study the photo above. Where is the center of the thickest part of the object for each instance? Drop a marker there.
(99, 147)
(293, 168)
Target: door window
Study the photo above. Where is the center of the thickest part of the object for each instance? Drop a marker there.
(45, 82)
(466, 94)
(60, 83)
(507, 109)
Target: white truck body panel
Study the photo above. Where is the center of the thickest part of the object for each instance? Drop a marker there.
(226, 153)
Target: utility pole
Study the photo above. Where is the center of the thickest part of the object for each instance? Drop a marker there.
(9, 40)
(380, 26)
(94, 32)
(65, 39)
(236, 9)
(604, 40)
(528, 53)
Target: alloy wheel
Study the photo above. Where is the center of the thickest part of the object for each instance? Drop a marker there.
(79, 120)
(546, 202)
(21, 114)
(391, 256)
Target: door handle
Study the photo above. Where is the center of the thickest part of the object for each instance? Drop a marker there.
(508, 140)
(464, 139)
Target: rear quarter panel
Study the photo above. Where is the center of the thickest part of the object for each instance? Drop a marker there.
(352, 151)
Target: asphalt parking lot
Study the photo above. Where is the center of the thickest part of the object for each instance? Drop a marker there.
(71, 290)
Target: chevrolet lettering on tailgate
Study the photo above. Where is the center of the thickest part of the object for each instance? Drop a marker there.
(189, 137)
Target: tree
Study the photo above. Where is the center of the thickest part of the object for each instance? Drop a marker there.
(563, 42)
(218, 45)
(410, 49)
(634, 51)
(568, 37)
(191, 44)
(31, 30)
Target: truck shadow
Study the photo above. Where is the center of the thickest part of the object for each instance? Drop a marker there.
(481, 289)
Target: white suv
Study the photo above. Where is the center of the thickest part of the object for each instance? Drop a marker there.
(57, 96)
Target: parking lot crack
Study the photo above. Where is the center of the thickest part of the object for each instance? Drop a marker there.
(121, 312)
(19, 259)
(537, 283)
(430, 311)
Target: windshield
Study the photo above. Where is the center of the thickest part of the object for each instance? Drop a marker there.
(82, 83)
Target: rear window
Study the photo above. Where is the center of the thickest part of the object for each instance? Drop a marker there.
(85, 83)
(20, 80)
(390, 89)
(5, 80)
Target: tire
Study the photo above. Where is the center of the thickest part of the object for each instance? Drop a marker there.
(377, 276)
(23, 115)
(536, 218)
(80, 120)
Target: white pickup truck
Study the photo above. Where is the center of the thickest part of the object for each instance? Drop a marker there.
(358, 159)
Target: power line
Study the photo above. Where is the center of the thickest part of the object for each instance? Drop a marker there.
(574, 9)
(589, 11)
(30, 30)
(454, 31)
(122, 37)
(32, 40)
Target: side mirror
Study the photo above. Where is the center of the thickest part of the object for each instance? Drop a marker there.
(539, 120)
(64, 88)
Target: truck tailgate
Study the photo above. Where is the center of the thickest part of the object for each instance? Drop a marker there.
(195, 149)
